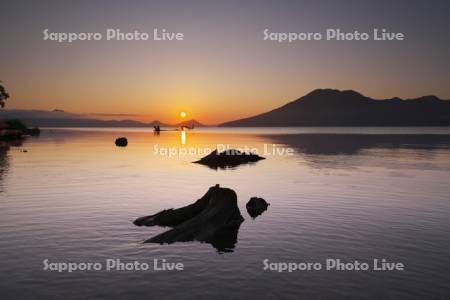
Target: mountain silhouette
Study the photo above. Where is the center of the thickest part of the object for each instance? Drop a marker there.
(329, 107)
(192, 122)
(60, 118)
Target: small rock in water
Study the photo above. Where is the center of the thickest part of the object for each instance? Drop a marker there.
(121, 142)
(228, 158)
(256, 206)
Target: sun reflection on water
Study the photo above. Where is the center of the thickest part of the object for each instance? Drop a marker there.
(183, 137)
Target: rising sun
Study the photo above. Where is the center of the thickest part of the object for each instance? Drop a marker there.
(183, 114)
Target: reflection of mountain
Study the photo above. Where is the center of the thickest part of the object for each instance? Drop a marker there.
(348, 108)
(333, 144)
(388, 151)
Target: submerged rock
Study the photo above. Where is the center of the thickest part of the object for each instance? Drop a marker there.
(121, 142)
(256, 206)
(228, 158)
(215, 218)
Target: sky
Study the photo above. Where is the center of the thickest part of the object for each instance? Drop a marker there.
(223, 69)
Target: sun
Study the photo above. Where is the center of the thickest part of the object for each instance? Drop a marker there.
(183, 114)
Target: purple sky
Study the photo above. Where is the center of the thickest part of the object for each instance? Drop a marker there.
(223, 69)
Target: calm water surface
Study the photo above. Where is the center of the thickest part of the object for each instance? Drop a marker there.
(348, 193)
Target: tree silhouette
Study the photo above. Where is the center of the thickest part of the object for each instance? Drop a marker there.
(3, 95)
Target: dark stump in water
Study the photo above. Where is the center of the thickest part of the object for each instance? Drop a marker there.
(228, 158)
(256, 206)
(121, 142)
(215, 218)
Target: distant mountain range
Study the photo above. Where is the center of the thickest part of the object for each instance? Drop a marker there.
(60, 118)
(321, 107)
(328, 107)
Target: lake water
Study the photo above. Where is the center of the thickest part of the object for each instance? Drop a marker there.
(345, 193)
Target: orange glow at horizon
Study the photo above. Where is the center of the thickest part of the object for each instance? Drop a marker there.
(217, 73)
